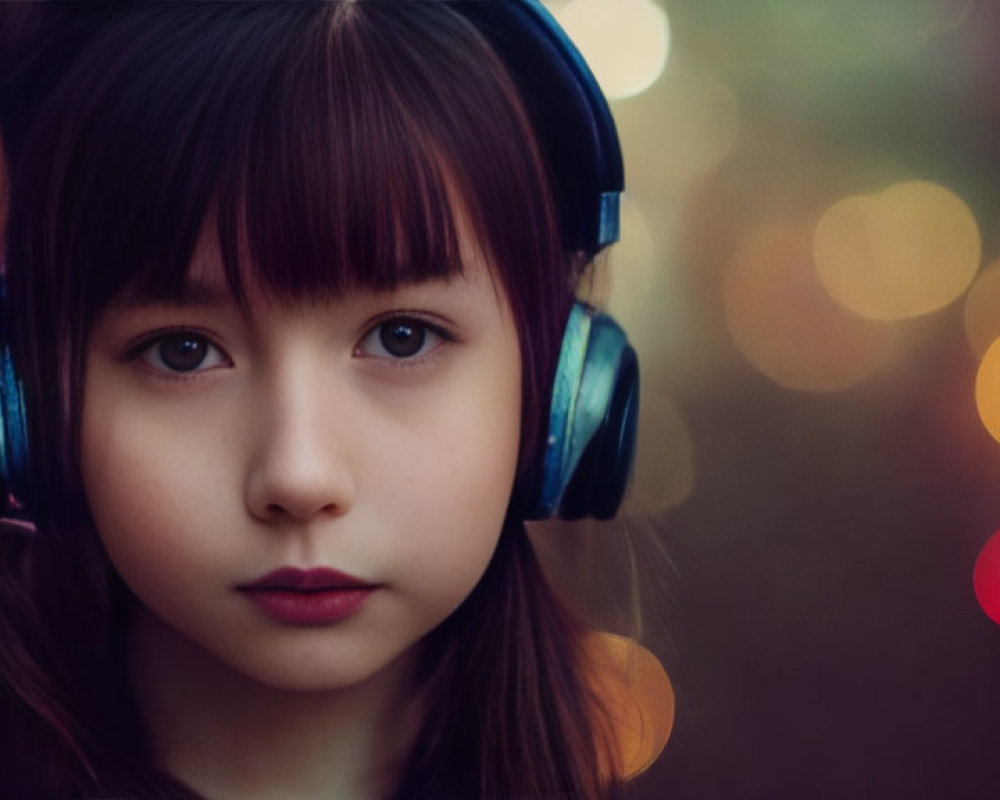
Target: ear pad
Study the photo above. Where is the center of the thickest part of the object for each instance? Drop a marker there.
(598, 484)
(592, 420)
(13, 434)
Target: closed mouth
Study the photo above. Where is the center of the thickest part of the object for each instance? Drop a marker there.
(313, 597)
(293, 579)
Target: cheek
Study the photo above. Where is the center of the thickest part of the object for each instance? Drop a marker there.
(148, 502)
(123, 500)
(453, 499)
(113, 468)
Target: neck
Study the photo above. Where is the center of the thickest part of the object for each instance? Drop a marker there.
(226, 735)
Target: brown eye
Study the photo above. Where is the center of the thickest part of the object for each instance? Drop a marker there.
(401, 338)
(182, 352)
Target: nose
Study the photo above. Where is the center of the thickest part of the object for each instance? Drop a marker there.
(301, 465)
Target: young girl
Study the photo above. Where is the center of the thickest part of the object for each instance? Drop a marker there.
(286, 287)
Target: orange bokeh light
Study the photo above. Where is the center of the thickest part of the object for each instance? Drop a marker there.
(988, 390)
(982, 310)
(785, 323)
(637, 694)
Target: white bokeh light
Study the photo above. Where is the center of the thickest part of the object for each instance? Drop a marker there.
(625, 42)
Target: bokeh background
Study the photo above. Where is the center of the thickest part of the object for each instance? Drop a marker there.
(810, 271)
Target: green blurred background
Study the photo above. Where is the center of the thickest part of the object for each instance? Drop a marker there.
(808, 272)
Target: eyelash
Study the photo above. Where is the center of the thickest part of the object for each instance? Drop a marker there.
(425, 353)
(148, 344)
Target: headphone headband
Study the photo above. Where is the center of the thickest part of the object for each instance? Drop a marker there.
(571, 117)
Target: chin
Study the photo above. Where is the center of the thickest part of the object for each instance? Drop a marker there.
(328, 672)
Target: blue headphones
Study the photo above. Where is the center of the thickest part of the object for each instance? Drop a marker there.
(14, 511)
(594, 408)
(595, 397)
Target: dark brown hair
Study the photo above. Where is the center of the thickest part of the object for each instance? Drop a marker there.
(331, 145)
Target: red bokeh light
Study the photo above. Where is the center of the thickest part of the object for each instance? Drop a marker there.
(986, 577)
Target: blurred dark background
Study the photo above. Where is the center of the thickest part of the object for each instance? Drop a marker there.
(809, 270)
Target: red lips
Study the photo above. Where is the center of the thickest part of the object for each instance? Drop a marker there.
(319, 596)
(305, 580)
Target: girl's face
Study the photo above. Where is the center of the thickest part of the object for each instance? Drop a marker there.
(371, 434)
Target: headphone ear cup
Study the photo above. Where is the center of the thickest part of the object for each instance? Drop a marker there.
(13, 437)
(592, 421)
(598, 484)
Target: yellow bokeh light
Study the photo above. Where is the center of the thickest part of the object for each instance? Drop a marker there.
(685, 125)
(786, 325)
(622, 282)
(909, 250)
(988, 390)
(625, 42)
(982, 310)
(664, 461)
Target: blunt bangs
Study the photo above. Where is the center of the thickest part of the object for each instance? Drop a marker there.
(327, 145)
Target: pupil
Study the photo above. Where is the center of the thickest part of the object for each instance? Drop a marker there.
(402, 339)
(183, 353)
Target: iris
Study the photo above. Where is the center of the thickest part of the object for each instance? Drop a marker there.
(402, 338)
